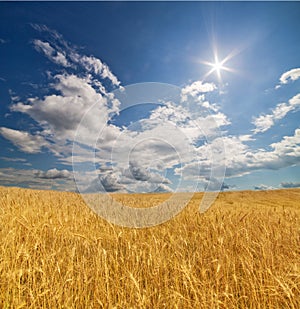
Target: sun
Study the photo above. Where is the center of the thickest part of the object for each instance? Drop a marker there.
(218, 66)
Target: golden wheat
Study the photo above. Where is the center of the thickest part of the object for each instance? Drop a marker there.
(242, 253)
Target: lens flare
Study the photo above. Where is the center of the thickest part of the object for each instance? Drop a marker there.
(218, 66)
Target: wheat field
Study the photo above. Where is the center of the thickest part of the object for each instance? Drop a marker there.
(242, 253)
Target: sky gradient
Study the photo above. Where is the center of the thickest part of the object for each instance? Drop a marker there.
(231, 123)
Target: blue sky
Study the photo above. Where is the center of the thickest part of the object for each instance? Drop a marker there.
(232, 123)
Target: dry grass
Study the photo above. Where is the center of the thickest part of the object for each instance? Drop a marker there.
(242, 253)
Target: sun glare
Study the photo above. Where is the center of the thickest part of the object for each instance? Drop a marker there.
(218, 66)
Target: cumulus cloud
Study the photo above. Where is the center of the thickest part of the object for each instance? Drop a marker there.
(265, 122)
(290, 184)
(194, 121)
(95, 65)
(246, 138)
(28, 178)
(182, 135)
(111, 183)
(226, 186)
(54, 174)
(140, 173)
(134, 178)
(71, 95)
(24, 141)
(196, 89)
(61, 113)
(288, 147)
(263, 187)
(163, 142)
(284, 153)
(240, 159)
(162, 188)
(289, 76)
(53, 55)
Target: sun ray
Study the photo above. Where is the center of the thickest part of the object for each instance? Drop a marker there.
(218, 66)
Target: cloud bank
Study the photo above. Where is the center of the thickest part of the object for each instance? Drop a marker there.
(290, 184)
(177, 140)
(265, 122)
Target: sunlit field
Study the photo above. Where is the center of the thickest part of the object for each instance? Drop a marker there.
(244, 252)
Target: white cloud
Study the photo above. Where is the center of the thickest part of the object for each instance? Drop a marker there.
(133, 179)
(241, 160)
(194, 121)
(284, 153)
(44, 28)
(8, 159)
(290, 75)
(53, 55)
(263, 187)
(140, 173)
(61, 52)
(95, 65)
(265, 122)
(196, 89)
(29, 178)
(163, 188)
(25, 141)
(289, 147)
(177, 135)
(295, 101)
(170, 134)
(226, 186)
(60, 114)
(54, 174)
(110, 183)
(290, 184)
(246, 138)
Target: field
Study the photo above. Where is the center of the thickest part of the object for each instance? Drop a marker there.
(244, 252)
